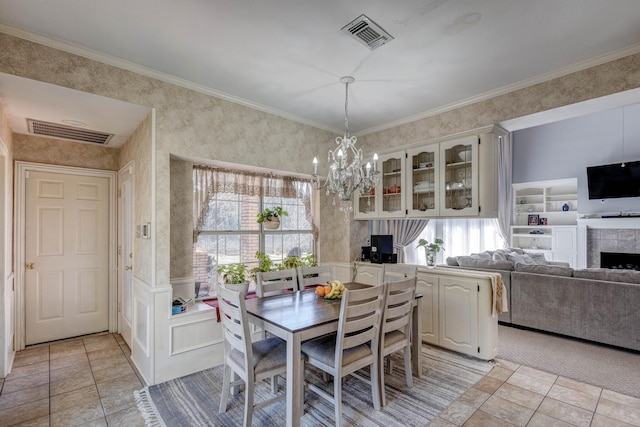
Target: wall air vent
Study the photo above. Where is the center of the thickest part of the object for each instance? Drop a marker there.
(367, 32)
(54, 130)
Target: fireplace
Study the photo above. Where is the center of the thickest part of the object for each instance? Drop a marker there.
(620, 260)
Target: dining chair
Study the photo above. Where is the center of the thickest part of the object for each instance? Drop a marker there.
(353, 347)
(276, 282)
(251, 362)
(395, 330)
(309, 276)
(395, 272)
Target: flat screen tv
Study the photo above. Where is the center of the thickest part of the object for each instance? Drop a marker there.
(614, 181)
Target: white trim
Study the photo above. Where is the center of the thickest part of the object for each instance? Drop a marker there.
(610, 223)
(19, 239)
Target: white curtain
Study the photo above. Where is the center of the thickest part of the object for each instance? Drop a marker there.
(208, 181)
(505, 193)
(405, 232)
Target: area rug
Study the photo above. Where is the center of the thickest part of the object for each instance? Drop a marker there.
(193, 400)
(610, 368)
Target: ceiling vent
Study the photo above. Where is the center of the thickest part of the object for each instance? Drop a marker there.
(367, 32)
(54, 130)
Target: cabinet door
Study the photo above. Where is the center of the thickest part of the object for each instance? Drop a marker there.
(459, 177)
(364, 206)
(369, 274)
(459, 314)
(391, 188)
(427, 285)
(422, 181)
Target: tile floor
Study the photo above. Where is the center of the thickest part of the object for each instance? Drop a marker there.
(90, 382)
(516, 395)
(85, 381)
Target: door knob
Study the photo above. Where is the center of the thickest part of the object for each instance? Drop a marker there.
(128, 267)
(31, 266)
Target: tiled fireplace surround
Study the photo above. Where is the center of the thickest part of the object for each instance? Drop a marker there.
(607, 235)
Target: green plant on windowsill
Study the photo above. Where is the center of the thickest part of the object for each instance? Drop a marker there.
(269, 214)
(234, 275)
(265, 263)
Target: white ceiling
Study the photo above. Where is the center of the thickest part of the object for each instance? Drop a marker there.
(287, 56)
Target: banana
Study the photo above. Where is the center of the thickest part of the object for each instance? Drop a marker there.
(333, 289)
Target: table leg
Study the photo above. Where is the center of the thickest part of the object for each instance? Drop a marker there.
(416, 340)
(295, 372)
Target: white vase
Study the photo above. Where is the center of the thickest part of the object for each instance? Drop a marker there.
(431, 259)
(271, 224)
(237, 287)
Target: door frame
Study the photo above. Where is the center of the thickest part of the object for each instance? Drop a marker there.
(21, 169)
(129, 168)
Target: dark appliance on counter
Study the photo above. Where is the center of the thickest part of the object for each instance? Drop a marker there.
(382, 248)
(366, 253)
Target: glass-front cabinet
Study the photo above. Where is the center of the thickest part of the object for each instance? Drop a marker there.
(423, 181)
(459, 177)
(365, 206)
(391, 188)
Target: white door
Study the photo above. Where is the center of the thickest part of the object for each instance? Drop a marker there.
(125, 251)
(66, 256)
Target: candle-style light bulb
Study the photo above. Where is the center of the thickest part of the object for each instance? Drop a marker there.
(375, 162)
(315, 165)
(368, 169)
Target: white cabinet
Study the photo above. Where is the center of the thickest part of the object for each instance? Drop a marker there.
(427, 285)
(545, 218)
(391, 203)
(448, 178)
(369, 274)
(459, 177)
(423, 181)
(456, 311)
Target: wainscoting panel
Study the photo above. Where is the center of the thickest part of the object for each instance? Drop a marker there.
(196, 334)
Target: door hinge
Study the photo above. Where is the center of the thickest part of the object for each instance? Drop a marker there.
(406, 155)
(478, 349)
(479, 140)
(479, 209)
(406, 212)
(120, 309)
(478, 288)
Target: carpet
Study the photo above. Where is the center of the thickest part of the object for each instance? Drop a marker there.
(599, 365)
(193, 400)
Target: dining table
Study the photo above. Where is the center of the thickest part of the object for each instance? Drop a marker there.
(299, 316)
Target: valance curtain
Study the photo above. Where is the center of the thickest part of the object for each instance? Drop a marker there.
(207, 181)
(405, 232)
(505, 194)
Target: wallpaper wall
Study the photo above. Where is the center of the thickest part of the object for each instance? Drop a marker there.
(30, 148)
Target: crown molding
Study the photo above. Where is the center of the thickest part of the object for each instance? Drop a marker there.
(82, 51)
(560, 72)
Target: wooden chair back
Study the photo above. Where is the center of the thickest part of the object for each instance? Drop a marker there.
(309, 276)
(276, 282)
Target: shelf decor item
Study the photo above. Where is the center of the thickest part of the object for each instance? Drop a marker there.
(533, 219)
(431, 249)
(270, 218)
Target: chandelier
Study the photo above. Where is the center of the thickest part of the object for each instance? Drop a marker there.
(346, 174)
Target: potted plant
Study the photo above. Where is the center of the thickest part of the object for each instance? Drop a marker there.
(270, 218)
(234, 276)
(430, 250)
(265, 263)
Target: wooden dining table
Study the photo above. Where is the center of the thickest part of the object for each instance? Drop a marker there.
(299, 316)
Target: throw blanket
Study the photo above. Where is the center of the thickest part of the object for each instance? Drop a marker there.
(499, 299)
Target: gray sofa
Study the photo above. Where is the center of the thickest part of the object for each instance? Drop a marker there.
(599, 305)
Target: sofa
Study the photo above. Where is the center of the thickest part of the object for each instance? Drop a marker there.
(594, 304)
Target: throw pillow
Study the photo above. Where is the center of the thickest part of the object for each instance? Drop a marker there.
(552, 270)
(522, 259)
(499, 256)
(452, 261)
(537, 257)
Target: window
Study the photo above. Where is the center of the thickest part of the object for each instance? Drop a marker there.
(227, 231)
(461, 237)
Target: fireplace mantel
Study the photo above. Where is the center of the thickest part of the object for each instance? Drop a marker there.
(618, 222)
(621, 223)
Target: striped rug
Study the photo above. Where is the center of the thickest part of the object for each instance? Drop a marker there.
(193, 400)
